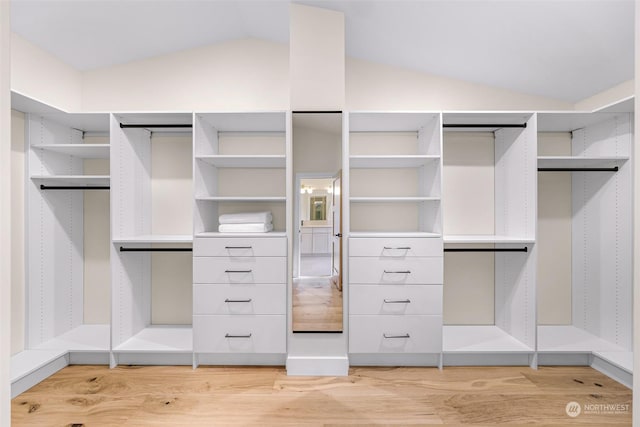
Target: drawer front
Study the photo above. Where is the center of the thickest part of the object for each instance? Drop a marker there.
(424, 271)
(240, 299)
(239, 270)
(395, 299)
(395, 247)
(395, 334)
(240, 246)
(240, 334)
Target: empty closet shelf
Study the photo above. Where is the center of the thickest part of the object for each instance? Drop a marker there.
(171, 339)
(480, 339)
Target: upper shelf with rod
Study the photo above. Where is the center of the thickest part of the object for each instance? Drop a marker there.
(484, 122)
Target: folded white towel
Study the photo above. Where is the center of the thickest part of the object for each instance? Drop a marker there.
(246, 218)
(245, 228)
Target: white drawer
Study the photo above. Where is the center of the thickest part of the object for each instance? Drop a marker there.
(395, 247)
(395, 334)
(416, 270)
(239, 270)
(240, 334)
(240, 246)
(240, 299)
(395, 299)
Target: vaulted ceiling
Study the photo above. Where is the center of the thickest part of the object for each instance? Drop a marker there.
(561, 49)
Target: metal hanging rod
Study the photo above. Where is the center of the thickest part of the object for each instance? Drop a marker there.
(123, 249)
(484, 125)
(74, 187)
(525, 249)
(317, 112)
(613, 169)
(164, 126)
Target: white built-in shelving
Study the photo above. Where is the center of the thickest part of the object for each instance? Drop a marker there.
(240, 164)
(508, 244)
(58, 144)
(601, 244)
(394, 169)
(135, 239)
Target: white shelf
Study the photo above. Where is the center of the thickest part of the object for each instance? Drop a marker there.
(480, 339)
(82, 338)
(155, 238)
(394, 234)
(267, 234)
(622, 359)
(568, 339)
(29, 361)
(85, 151)
(89, 180)
(242, 198)
(579, 162)
(168, 339)
(395, 161)
(245, 161)
(485, 238)
(392, 199)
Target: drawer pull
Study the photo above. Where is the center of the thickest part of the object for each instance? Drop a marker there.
(237, 336)
(238, 247)
(397, 271)
(397, 301)
(237, 300)
(389, 336)
(403, 248)
(238, 271)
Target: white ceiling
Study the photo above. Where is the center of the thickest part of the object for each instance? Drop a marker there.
(562, 49)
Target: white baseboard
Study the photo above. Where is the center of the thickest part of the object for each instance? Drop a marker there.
(329, 366)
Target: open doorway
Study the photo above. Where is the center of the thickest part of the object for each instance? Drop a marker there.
(317, 286)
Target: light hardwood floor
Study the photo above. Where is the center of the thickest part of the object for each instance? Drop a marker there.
(266, 396)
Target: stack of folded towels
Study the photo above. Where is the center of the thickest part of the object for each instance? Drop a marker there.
(246, 222)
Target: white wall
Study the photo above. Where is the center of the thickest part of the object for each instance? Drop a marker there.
(171, 213)
(372, 86)
(238, 75)
(468, 186)
(554, 235)
(5, 214)
(636, 238)
(609, 96)
(40, 75)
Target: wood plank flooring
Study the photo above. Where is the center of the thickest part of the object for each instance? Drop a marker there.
(317, 305)
(266, 396)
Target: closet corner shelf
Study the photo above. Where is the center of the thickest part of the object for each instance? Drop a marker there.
(400, 199)
(571, 339)
(241, 198)
(29, 361)
(404, 234)
(580, 162)
(485, 238)
(251, 235)
(391, 161)
(155, 238)
(244, 161)
(85, 151)
(480, 339)
(88, 180)
(81, 338)
(168, 339)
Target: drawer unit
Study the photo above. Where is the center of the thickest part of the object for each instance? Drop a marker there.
(395, 299)
(395, 334)
(240, 299)
(240, 246)
(239, 334)
(395, 247)
(416, 270)
(239, 269)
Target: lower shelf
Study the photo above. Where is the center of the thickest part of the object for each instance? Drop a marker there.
(167, 339)
(83, 338)
(570, 339)
(481, 339)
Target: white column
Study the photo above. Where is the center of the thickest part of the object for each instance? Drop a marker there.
(5, 215)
